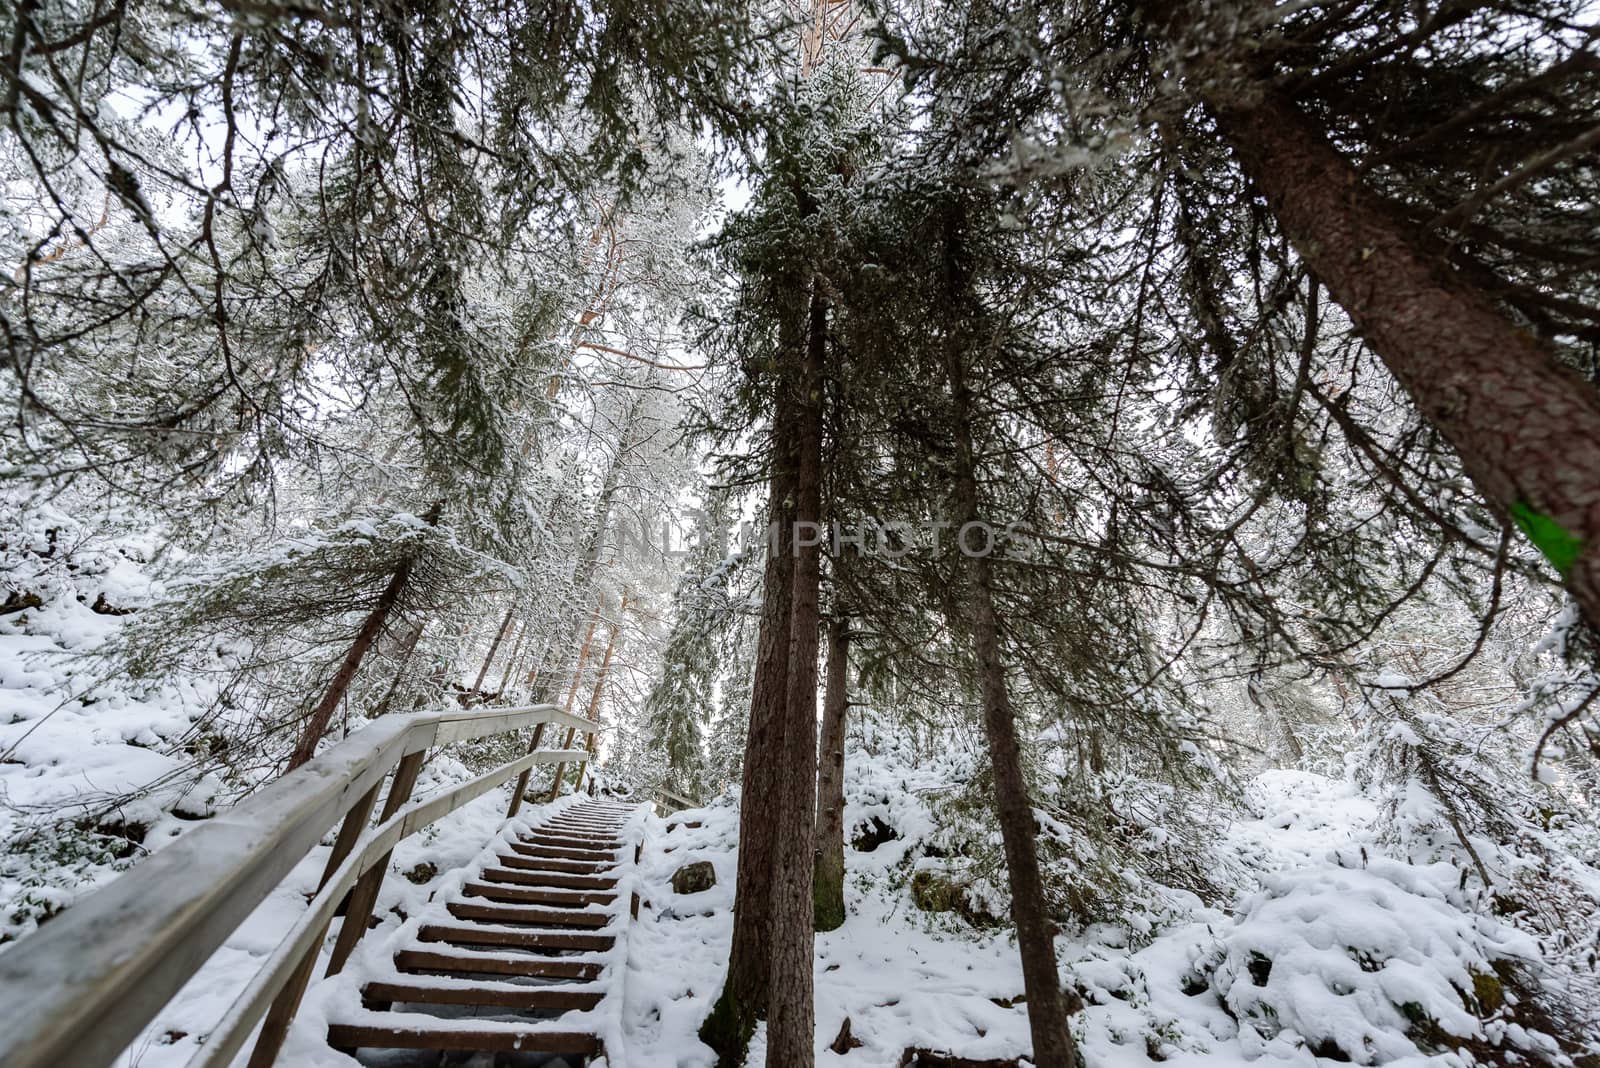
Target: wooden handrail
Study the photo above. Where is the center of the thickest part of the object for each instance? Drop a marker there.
(80, 989)
(677, 799)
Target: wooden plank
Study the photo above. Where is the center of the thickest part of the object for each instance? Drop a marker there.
(591, 839)
(465, 726)
(349, 1036)
(526, 999)
(677, 798)
(551, 852)
(539, 917)
(522, 780)
(549, 879)
(557, 840)
(568, 867)
(420, 960)
(532, 896)
(365, 894)
(275, 1028)
(472, 935)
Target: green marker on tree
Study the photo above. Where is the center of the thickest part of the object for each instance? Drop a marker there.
(1559, 545)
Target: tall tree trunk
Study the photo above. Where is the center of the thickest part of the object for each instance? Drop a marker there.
(317, 723)
(828, 895)
(1527, 429)
(744, 992)
(1053, 1046)
(589, 560)
(583, 657)
(600, 686)
(791, 1007)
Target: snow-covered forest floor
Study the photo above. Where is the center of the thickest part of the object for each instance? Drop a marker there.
(1328, 948)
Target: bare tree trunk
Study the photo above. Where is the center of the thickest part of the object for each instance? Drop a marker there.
(589, 563)
(583, 657)
(511, 660)
(744, 992)
(1268, 706)
(407, 648)
(1527, 429)
(317, 723)
(494, 647)
(532, 678)
(828, 894)
(791, 1007)
(1053, 1046)
(600, 686)
(572, 692)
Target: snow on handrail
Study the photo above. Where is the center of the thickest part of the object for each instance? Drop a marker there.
(78, 990)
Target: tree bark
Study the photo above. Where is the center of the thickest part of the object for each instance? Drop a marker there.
(828, 895)
(1526, 428)
(494, 647)
(317, 723)
(572, 691)
(583, 657)
(512, 659)
(743, 999)
(605, 663)
(600, 687)
(407, 647)
(791, 1008)
(1053, 1046)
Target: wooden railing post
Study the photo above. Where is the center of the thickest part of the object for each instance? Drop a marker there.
(275, 1028)
(578, 786)
(555, 787)
(522, 780)
(365, 893)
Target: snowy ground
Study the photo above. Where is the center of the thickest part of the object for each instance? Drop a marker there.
(1353, 940)
(93, 770)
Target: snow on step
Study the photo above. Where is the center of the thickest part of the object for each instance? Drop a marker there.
(524, 955)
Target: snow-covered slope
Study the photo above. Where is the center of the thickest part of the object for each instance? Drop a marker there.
(95, 771)
(1331, 952)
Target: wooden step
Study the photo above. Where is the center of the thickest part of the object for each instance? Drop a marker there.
(580, 824)
(557, 852)
(468, 934)
(350, 1036)
(578, 840)
(531, 896)
(525, 999)
(554, 838)
(549, 879)
(571, 867)
(421, 960)
(538, 917)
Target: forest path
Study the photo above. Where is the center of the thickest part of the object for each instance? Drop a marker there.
(517, 957)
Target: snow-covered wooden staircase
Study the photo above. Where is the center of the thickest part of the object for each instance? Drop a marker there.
(519, 959)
